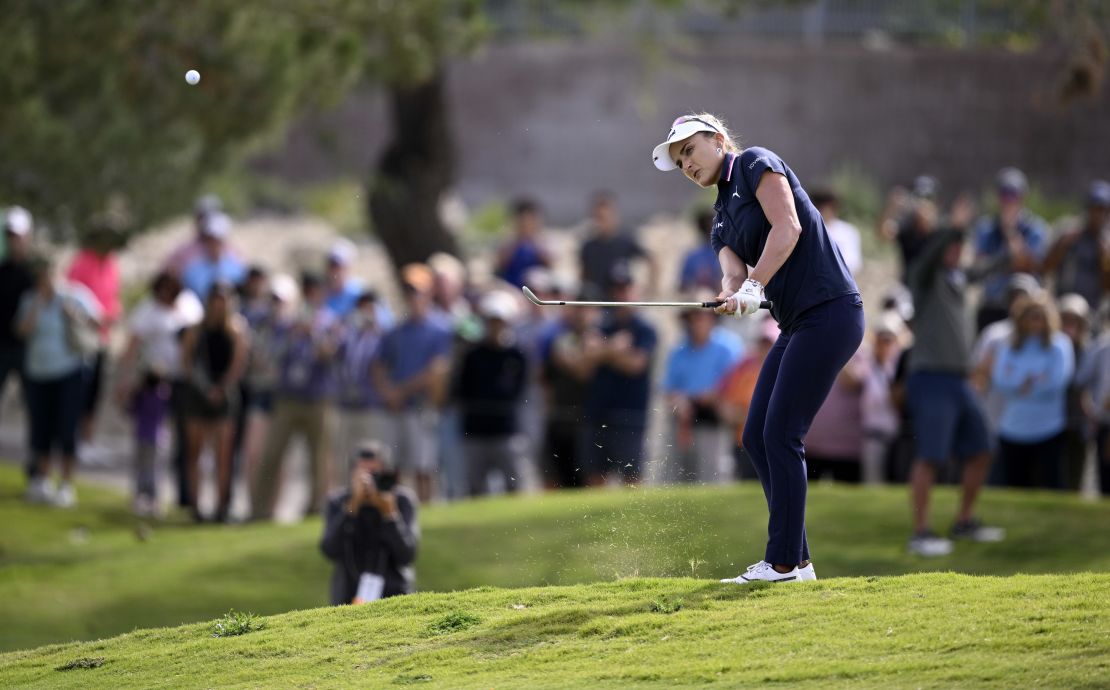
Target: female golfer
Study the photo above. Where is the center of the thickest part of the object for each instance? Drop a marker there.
(766, 220)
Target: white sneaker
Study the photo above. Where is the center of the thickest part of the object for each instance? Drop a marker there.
(66, 496)
(807, 574)
(40, 490)
(930, 545)
(763, 572)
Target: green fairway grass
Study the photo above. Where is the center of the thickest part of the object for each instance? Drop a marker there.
(92, 572)
(921, 631)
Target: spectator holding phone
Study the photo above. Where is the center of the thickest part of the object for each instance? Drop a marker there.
(371, 532)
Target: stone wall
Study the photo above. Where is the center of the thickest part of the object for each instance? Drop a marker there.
(557, 120)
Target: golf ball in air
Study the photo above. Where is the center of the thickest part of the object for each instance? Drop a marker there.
(192, 76)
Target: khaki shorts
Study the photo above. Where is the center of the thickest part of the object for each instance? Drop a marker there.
(411, 437)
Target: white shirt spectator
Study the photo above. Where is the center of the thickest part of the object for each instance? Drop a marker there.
(158, 328)
(847, 240)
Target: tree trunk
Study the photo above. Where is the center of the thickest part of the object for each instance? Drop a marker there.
(415, 170)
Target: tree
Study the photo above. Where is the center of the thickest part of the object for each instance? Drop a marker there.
(93, 100)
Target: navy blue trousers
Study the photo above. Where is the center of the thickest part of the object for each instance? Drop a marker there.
(795, 379)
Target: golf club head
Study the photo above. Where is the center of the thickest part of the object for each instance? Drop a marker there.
(531, 296)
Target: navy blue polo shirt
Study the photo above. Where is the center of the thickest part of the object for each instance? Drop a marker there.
(814, 272)
(615, 394)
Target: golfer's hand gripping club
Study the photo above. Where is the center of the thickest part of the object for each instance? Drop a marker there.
(745, 301)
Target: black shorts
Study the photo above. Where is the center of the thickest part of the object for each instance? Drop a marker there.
(198, 406)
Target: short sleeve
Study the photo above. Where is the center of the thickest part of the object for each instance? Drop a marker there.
(982, 236)
(86, 301)
(715, 240)
(757, 160)
(137, 322)
(1037, 237)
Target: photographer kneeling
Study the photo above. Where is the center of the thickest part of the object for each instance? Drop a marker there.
(370, 532)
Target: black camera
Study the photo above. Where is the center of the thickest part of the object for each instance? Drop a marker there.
(384, 481)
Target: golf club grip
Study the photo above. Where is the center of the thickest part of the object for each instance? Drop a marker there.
(765, 304)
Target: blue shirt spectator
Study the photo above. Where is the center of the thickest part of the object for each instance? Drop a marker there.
(524, 252)
(990, 244)
(308, 348)
(1013, 241)
(49, 354)
(695, 370)
(203, 272)
(1033, 380)
(700, 269)
(410, 348)
(358, 349)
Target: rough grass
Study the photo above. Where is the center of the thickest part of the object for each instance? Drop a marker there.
(937, 630)
(96, 572)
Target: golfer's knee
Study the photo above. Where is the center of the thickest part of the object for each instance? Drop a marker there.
(752, 439)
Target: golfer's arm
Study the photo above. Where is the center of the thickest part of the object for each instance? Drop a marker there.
(734, 270)
(777, 200)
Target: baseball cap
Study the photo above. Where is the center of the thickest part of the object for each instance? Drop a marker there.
(1011, 181)
(1075, 305)
(17, 220)
(1024, 282)
(215, 225)
(890, 323)
(1098, 194)
(372, 450)
(209, 203)
(681, 128)
(498, 305)
(342, 252)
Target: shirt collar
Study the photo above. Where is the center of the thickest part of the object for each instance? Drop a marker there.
(726, 168)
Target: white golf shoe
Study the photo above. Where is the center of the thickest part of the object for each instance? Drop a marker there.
(66, 497)
(807, 574)
(929, 545)
(764, 572)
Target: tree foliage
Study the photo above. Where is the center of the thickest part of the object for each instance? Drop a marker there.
(93, 100)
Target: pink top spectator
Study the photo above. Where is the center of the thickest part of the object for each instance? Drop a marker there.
(100, 274)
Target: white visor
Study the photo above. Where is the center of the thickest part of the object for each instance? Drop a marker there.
(683, 128)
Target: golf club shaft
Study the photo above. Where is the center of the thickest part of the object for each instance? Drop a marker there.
(682, 305)
(686, 305)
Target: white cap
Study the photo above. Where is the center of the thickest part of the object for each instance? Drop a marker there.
(682, 128)
(17, 221)
(498, 305)
(284, 287)
(342, 252)
(1074, 304)
(215, 225)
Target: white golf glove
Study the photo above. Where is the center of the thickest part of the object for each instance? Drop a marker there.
(748, 298)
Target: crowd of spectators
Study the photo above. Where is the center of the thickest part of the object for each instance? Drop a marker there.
(470, 389)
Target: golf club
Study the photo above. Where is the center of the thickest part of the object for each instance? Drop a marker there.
(687, 305)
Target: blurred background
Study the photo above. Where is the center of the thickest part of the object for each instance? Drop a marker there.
(321, 243)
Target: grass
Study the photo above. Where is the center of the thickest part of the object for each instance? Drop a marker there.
(96, 572)
(936, 630)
